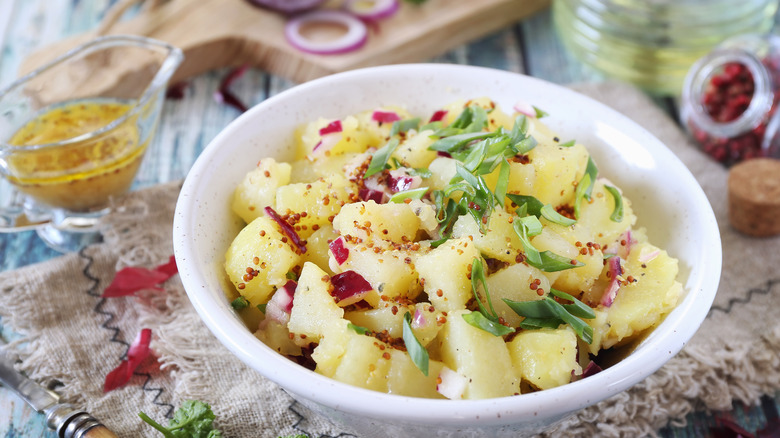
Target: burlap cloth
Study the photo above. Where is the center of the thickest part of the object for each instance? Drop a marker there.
(73, 335)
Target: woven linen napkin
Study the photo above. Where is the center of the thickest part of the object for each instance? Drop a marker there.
(74, 336)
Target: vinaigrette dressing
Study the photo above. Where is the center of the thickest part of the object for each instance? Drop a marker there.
(84, 170)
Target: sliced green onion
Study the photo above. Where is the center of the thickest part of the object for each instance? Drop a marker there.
(533, 205)
(456, 142)
(539, 113)
(262, 307)
(409, 194)
(417, 352)
(549, 213)
(577, 308)
(552, 262)
(379, 160)
(358, 329)
(478, 320)
(502, 183)
(548, 313)
(421, 172)
(617, 212)
(532, 225)
(404, 126)
(239, 303)
(568, 144)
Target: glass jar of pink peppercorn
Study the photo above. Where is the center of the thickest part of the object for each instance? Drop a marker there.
(729, 99)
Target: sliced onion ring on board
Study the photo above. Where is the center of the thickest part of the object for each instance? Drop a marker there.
(287, 6)
(353, 39)
(372, 9)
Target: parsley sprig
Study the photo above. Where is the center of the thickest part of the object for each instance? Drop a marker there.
(194, 419)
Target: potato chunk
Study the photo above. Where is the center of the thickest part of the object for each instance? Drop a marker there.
(257, 260)
(369, 221)
(445, 272)
(258, 188)
(312, 204)
(545, 358)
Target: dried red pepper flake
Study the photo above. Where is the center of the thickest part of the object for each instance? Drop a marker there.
(139, 350)
(132, 279)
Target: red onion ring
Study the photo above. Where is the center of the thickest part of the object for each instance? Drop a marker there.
(372, 9)
(356, 35)
(287, 6)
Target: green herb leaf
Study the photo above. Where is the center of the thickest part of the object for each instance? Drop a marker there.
(194, 419)
(577, 308)
(477, 277)
(593, 172)
(502, 183)
(399, 197)
(421, 172)
(617, 212)
(539, 113)
(379, 160)
(358, 329)
(552, 262)
(404, 126)
(417, 352)
(455, 143)
(533, 205)
(549, 213)
(585, 186)
(478, 320)
(239, 303)
(262, 307)
(550, 314)
(568, 144)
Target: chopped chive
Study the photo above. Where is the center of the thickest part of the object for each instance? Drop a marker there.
(617, 212)
(358, 329)
(549, 213)
(239, 303)
(379, 160)
(417, 352)
(399, 197)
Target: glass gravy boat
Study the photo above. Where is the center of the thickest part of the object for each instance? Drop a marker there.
(73, 134)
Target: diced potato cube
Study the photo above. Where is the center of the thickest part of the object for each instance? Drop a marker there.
(331, 348)
(404, 378)
(317, 247)
(352, 138)
(258, 188)
(545, 358)
(575, 242)
(445, 271)
(390, 272)
(500, 242)
(442, 171)
(276, 336)
(369, 221)
(257, 260)
(595, 214)
(364, 363)
(314, 310)
(558, 169)
(413, 150)
(478, 355)
(313, 202)
(383, 317)
(644, 303)
(514, 283)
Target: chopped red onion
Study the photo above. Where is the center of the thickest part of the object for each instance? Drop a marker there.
(385, 116)
(418, 320)
(525, 108)
(438, 116)
(400, 181)
(372, 9)
(451, 384)
(339, 251)
(591, 369)
(279, 307)
(334, 126)
(354, 38)
(649, 256)
(349, 287)
(286, 229)
(615, 271)
(366, 194)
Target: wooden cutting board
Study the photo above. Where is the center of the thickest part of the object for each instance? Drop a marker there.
(222, 33)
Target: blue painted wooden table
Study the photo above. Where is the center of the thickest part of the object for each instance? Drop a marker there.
(530, 46)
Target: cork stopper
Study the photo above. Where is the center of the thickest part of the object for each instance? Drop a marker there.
(754, 197)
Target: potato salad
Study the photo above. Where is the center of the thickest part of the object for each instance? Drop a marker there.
(465, 254)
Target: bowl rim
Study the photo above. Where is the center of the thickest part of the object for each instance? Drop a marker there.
(684, 321)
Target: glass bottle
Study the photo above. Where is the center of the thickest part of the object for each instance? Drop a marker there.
(729, 99)
(653, 43)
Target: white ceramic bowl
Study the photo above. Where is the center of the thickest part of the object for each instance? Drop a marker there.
(665, 196)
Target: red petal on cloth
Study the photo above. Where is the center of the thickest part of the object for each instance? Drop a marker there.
(169, 268)
(130, 280)
(138, 351)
